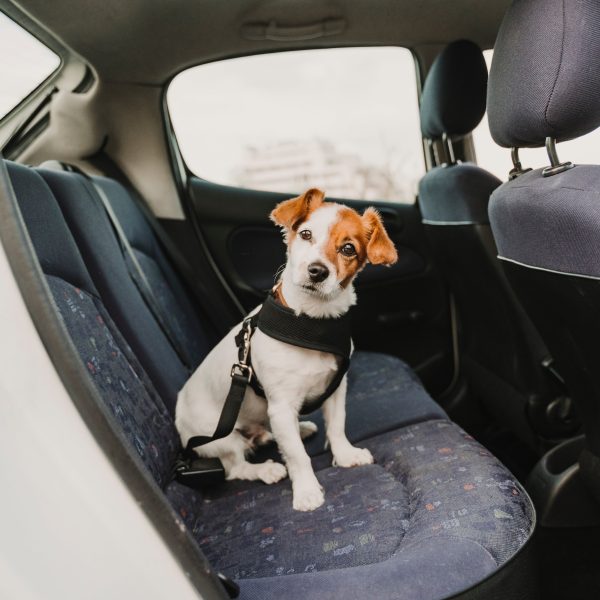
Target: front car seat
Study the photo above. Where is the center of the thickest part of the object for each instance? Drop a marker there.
(545, 88)
(502, 355)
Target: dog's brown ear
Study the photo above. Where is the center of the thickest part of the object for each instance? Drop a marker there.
(380, 249)
(291, 213)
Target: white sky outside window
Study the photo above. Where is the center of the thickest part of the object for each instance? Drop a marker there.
(490, 156)
(26, 63)
(343, 119)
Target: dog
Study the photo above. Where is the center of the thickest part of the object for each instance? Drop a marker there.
(327, 245)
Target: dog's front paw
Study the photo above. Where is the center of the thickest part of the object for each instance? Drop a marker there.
(307, 497)
(271, 472)
(352, 457)
(307, 428)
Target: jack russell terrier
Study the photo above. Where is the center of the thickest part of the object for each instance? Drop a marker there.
(327, 245)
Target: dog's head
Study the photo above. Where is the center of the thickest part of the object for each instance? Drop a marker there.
(328, 243)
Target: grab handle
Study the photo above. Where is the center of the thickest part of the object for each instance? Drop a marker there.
(292, 33)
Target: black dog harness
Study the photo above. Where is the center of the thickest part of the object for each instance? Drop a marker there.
(330, 335)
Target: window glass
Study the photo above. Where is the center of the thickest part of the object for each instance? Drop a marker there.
(345, 120)
(26, 63)
(490, 156)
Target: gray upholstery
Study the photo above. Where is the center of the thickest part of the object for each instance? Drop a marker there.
(453, 98)
(456, 194)
(550, 223)
(435, 514)
(545, 80)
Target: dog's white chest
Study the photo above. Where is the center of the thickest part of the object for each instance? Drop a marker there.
(291, 372)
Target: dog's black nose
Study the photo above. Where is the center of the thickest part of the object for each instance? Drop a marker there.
(318, 272)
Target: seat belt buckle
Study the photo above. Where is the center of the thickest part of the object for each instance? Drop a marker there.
(199, 472)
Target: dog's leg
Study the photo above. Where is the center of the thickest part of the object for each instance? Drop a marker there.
(231, 451)
(344, 453)
(307, 490)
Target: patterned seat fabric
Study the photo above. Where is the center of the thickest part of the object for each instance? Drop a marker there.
(433, 492)
(435, 514)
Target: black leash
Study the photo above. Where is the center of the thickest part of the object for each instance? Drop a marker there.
(241, 374)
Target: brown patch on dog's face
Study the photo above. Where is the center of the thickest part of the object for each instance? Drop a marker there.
(356, 240)
(348, 232)
(291, 213)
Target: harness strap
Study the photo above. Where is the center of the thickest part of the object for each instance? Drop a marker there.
(281, 323)
(325, 335)
(312, 405)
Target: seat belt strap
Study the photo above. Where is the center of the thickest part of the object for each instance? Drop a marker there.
(137, 273)
(187, 273)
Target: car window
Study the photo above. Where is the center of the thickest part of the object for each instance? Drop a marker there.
(490, 156)
(345, 120)
(26, 63)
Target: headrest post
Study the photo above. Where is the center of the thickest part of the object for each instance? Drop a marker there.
(556, 166)
(517, 166)
(436, 155)
(447, 141)
(431, 151)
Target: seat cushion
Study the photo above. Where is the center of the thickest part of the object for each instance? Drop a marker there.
(384, 393)
(435, 514)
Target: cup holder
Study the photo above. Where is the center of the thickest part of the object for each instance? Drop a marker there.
(560, 496)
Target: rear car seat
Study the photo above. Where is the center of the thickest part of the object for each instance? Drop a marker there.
(399, 397)
(434, 516)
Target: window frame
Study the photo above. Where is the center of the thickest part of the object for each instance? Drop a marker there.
(181, 170)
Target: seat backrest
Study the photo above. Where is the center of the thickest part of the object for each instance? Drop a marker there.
(129, 398)
(502, 352)
(185, 318)
(96, 239)
(545, 88)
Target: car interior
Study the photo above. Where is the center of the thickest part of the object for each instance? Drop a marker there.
(473, 381)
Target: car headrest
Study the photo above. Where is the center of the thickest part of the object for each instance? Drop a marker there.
(545, 79)
(454, 94)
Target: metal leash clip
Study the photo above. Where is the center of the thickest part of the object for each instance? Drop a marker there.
(242, 367)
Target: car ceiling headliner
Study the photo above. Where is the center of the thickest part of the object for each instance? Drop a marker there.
(149, 41)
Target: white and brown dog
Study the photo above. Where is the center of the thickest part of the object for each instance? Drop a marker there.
(327, 245)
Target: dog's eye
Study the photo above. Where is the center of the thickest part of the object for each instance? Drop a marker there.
(305, 234)
(348, 250)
